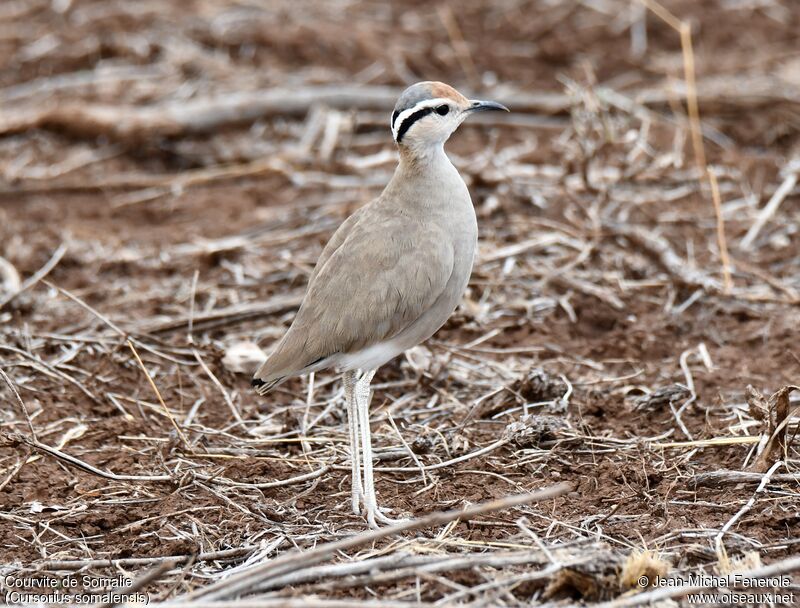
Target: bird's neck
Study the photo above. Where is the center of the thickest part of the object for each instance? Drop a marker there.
(428, 183)
(422, 159)
(421, 154)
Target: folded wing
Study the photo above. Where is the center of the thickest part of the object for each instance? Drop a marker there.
(372, 284)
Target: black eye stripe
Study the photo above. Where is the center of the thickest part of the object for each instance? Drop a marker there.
(395, 114)
(406, 124)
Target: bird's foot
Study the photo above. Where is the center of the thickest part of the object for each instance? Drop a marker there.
(376, 516)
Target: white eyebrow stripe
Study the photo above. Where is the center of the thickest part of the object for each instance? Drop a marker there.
(421, 105)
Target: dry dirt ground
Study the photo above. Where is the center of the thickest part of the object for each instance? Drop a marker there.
(159, 212)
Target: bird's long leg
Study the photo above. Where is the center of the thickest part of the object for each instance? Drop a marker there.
(362, 399)
(373, 513)
(357, 492)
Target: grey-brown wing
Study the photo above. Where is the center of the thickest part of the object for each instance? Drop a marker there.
(336, 241)
(381, 279)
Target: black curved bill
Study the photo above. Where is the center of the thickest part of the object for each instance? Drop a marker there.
(486, 106)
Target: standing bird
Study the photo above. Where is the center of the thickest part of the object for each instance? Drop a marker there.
(391, 274)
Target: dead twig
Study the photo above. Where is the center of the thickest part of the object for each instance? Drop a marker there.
(722, 242)
(718, 544)
(777, 413)
(131, 562)
(164, 407)
(769, 210)
(223, 316)
(657, 247)
(76, 462)
(37, 276)
(177, 118)
(720, 478)
(240, 583)
(267, 484)
(460, 45)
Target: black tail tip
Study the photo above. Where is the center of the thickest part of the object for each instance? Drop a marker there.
(263, 387)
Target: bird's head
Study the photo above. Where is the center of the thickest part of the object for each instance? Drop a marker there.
(427, 113)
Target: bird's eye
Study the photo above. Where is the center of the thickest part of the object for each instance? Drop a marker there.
(442, 110)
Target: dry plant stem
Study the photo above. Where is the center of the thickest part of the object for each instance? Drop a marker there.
(687, 373)
(149, 187)
(719, 478)
(411, 453)
(635, 108)
(269, 484)
(424, 565)
(722, 242)
(515, 579)
(20, 402)
(770, 208)
(448, 463)
(684, 29)
(241, 583)
(373, 566)
(50, 370)
(382, 570)
(228, 401)
(703, 443)
(84, 466)
(77, 80)
(83, 304)
(135, 124)
(691, 96)
(163, 186)
(224, 316)
(190, 325)
(16, 469)
(129, 562)
(184, 441)
(37, 276)
(460, 45)
(658, 247)
(720, 548)
(792, 296)
(171, 119)
(779, 418)
(109, 323)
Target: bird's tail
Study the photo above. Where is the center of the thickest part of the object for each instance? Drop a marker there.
(288, 359)
(277, 368)
(264, 386)
(268, 376)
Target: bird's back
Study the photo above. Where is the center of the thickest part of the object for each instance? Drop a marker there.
(389, 277)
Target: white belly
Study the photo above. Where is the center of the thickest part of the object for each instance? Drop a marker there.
(371, 357)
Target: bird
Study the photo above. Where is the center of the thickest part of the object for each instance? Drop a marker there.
(391, 274)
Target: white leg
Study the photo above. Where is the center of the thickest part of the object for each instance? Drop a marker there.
(362, 395)
(362, 400)
(357, 493)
